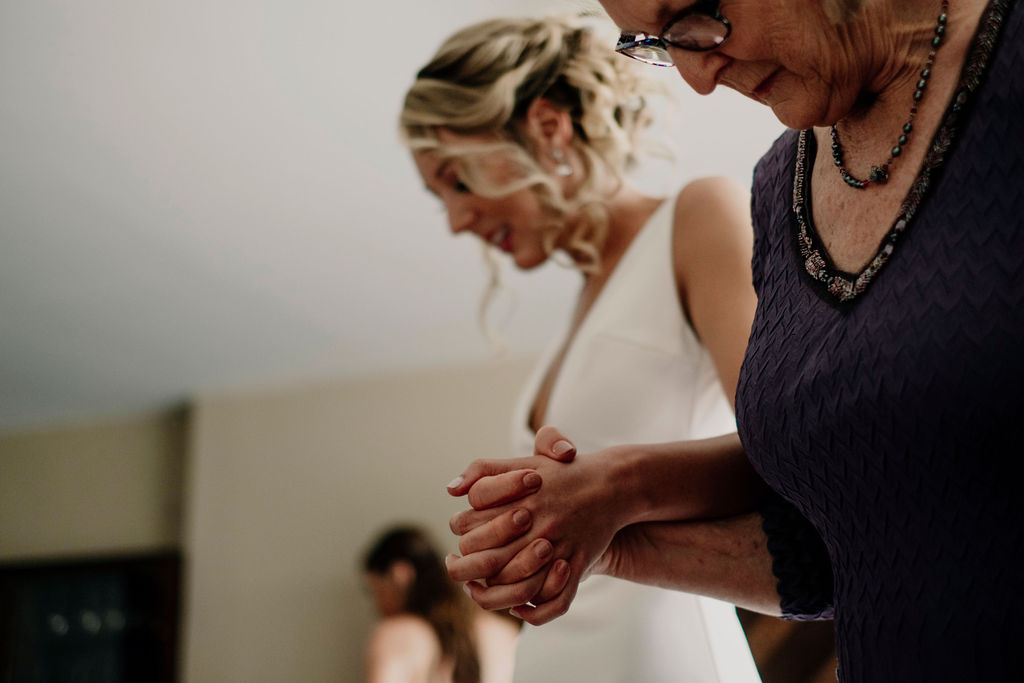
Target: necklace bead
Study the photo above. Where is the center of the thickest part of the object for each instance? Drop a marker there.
(878, 175)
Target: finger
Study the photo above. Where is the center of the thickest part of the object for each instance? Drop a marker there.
(505, 595)
(503, 488)
(554, 583)
(477, 469)
(552, 443)
(484, 564)
(546, 611)
(467, 520)
(527, 562)
(499, 531)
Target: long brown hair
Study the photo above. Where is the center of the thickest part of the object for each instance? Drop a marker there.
(432, 595)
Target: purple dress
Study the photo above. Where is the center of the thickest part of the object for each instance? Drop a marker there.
(885, 410)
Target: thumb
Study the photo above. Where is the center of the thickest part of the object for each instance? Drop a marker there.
(552, 443)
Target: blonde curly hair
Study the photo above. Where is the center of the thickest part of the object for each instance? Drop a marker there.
(483, 79)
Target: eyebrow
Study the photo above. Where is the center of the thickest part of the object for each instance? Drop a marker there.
(666, 12)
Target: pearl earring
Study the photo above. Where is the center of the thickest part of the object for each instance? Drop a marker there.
(562, 168)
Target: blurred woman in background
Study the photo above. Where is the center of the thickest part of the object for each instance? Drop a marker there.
(429, 632)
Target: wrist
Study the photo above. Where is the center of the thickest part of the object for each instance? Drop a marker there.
(629, 492)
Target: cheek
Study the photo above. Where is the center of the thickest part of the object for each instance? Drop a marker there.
(521, 209)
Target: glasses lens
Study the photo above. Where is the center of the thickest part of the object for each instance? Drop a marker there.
(644, 49)
(697, 32)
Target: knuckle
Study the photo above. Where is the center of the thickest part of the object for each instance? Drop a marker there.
(491, 565)
(488, 601)
(522, 593)
(475, 497)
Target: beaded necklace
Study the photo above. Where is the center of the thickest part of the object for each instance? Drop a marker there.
(878, 175)
(843, 288)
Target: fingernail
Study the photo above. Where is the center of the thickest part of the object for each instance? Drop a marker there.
(457, 481)
(531, 480)
(520, 517)
(449, 558)
(515, 612)
(562, 447)
(542, 548)
(465, 589)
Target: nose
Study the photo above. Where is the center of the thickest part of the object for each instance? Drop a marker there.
(699, 69)
(461, 216)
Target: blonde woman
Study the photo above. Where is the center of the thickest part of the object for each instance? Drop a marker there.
(525, 129)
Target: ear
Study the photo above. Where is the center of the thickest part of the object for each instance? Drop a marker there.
(402, 574)
(548, 126)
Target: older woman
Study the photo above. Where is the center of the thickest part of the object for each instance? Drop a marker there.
(880, 393)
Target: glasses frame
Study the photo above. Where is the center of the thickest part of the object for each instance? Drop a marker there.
(707, 8)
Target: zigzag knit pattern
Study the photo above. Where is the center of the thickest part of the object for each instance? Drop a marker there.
(894, 424)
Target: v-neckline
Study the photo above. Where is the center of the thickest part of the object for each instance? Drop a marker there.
(562, 349)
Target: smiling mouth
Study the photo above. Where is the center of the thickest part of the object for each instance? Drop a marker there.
(500, 238)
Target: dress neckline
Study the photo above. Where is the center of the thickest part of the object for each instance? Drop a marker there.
(566, 341)
(839, 287)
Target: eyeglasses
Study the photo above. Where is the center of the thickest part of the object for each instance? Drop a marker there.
(698, 28)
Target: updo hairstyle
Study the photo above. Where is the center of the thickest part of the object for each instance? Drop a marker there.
(483, 80)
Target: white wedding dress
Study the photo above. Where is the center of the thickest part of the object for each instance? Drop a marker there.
(635, 373)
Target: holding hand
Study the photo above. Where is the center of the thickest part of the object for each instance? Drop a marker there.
(533, 534)
(538, 526)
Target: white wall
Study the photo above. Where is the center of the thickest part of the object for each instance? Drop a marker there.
(287, 487)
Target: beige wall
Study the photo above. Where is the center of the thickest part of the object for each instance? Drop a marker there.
(285, 490)
(110, 488)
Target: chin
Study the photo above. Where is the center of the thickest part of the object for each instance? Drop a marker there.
(528, 261)
(798, 120)
(800, 116)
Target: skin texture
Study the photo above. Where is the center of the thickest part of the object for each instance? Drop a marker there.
(814, 63)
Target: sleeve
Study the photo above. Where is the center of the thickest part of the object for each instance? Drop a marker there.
(800, 561)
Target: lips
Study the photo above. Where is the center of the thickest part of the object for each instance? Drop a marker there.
(502, 238)
(765, 87)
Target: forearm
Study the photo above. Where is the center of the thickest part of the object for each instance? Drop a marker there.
(725, 559)
(685, 480)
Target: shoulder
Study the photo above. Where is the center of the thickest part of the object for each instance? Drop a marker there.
(709, 195)
(710, 211)
(403, 638)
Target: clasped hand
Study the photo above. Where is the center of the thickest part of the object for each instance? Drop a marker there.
(536, 528)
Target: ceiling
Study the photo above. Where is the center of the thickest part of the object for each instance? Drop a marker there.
(210, 195)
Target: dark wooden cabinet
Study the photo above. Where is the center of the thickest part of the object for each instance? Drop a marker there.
(110, 620)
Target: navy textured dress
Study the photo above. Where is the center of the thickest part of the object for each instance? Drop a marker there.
(885, 408)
